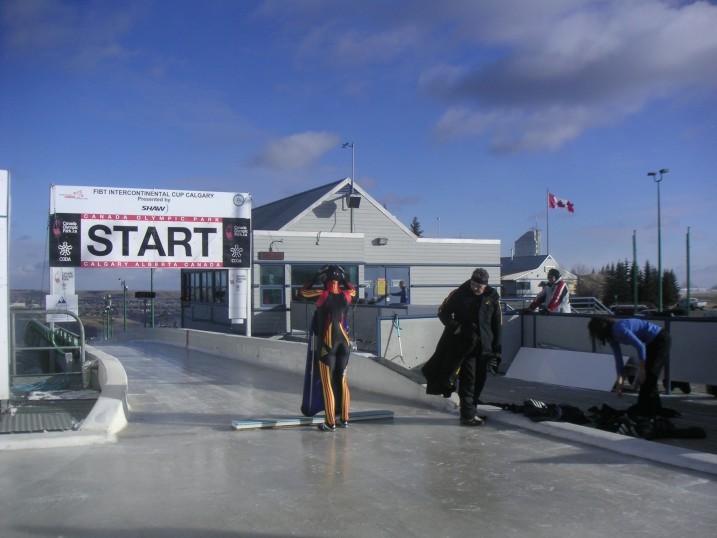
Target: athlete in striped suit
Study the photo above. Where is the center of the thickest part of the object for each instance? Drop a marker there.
(332, 304)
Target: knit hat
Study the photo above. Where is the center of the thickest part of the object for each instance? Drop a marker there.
(480, 276)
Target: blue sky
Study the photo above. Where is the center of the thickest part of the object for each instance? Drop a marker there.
(461, 113)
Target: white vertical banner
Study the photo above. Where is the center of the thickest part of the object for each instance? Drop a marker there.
(4, 286)
(238, 294)
(62, 281)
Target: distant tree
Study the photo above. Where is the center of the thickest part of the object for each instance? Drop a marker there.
(580, 269)
(618, 284)
(635, 274)
(590, 284)
(670, 289)
(416, 227)
(624, 282)
(648, 289)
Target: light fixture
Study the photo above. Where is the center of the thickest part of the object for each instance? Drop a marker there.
(380, 241)
(272, 254)
(354, 201)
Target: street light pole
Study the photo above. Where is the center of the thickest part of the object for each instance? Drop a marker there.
(659, 236)
(123, 283)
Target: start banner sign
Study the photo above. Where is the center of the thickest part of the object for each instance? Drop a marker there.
(101, 227)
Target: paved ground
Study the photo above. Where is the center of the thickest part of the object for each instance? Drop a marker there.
(178, 469)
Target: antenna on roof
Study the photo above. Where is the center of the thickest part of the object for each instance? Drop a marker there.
(353, 162)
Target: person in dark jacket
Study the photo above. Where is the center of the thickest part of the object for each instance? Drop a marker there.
(472, 336)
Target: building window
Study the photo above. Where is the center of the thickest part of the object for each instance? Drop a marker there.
(381, 283)
(300, 274)
(205, 286)
(271, 286)
(220, 286)
(522, 288)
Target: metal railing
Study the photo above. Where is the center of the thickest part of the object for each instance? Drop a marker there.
(579, 305)
(52, 356)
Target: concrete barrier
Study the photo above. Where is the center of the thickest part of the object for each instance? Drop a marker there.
(364, 372)
(111, 412)
(107, 417)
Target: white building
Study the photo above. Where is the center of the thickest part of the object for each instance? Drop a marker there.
(522, 275)
(338, 223)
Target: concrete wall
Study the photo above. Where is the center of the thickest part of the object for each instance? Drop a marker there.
(364, 371)
(420, 334)
(694, 341)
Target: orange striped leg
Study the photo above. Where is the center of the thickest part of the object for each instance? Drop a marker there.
(345, 398)
(329, 402)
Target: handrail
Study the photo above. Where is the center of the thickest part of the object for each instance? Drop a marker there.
(59, 339)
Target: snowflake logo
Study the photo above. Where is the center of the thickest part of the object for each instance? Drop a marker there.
(65, 249)
(236, 251)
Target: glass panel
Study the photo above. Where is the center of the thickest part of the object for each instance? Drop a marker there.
(373, 274)
(394, 277)
(272, 297)
(220, 286)
(300, 274)
(272, 275)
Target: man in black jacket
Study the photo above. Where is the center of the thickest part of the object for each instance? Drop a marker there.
(472, 336)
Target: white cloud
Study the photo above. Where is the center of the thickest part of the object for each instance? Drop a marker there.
(72, 34)
(296, 151)
(574, 69)
(340, 47)
(527, 75)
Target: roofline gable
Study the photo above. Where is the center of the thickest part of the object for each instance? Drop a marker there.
(333, 193)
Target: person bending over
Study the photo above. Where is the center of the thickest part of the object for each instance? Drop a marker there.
(652, 344)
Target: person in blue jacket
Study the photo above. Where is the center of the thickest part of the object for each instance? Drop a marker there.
(652, 344)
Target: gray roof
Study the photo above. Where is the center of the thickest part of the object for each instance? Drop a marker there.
(521, 264)
(275, 215)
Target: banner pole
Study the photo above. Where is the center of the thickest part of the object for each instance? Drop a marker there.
(547, 221)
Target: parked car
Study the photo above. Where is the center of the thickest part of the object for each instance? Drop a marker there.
(695, 304)
(628, 309)
(665, 313)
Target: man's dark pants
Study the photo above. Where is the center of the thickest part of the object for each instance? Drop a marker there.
(471, 380)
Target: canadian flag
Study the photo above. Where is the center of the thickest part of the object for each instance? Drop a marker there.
(554, 203)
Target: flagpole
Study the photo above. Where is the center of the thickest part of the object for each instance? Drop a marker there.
(547, 220)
